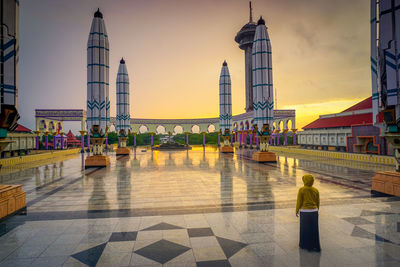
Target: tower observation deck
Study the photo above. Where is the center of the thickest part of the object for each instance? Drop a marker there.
(245, 39)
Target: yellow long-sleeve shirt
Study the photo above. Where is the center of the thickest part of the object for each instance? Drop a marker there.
(308, 196)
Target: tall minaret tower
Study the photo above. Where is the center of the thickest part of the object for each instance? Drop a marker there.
(262, 77)
(245, 39)
(225, 99)
(98, 103)
(123, 113)
(9, 10)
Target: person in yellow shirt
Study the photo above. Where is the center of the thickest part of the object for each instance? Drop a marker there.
(308, 206)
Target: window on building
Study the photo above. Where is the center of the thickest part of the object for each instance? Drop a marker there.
(371, 148)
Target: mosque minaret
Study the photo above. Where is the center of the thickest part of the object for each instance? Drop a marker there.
(98, 103)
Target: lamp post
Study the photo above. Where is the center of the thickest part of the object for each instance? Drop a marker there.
(258, 143)
(46, 140)
(244, 136)
(285, 133)
(54, 140)
(82, 141)
(106, 142)
(37, 139)
(219, 138)
(151, 139)
(251, 139)
(204, 138)
(134, 139)
(294, 136)
(187, 138)
(62, 140)
(240, 139)
(277, 137)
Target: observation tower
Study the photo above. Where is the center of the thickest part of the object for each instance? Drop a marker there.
(245, 39)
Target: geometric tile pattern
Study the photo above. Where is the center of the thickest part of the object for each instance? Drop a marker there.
(162, 226)
(90, 256)
(162, 251)
(219, 263)
(198, 232)
(123, 236)
(230, 247)
(359, 221)
(359, 232)
(374, 213)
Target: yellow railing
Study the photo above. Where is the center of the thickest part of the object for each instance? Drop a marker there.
(388, 160)
(42, 156)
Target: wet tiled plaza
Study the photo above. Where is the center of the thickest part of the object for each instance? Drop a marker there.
(196, 208)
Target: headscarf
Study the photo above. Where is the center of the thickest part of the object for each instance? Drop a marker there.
(308, 180)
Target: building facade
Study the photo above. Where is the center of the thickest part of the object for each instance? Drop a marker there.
(22, 141)
(348, 131)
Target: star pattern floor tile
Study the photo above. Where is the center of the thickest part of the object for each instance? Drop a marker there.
(90, 256)
(197, 232)
(123, 236)
(162, 251)
(230, 247)
(219, 263)
(162, 226)
(357, 220)
(359, 232)
(371, 212)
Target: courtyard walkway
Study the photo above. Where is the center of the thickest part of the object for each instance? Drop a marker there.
(196, 208)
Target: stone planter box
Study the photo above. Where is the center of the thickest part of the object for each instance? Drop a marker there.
(386, 182)
(12, 199)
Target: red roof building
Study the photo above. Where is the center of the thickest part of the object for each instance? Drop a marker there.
(350, 130)
(340, 121)
(22, 129)
(71, 140)
(360, 113)
(365, 104)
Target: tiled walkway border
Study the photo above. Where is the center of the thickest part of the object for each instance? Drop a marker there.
(37, 157)
(388, 160)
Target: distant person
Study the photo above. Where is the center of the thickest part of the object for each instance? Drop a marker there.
(308, 205)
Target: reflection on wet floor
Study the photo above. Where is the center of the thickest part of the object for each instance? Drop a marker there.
(196, 208)
(17, 171)
(200, 177)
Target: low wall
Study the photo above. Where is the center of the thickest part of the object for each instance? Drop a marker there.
(30, 158)
(388, 160)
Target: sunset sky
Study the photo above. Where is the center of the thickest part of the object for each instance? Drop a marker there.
(174, 50)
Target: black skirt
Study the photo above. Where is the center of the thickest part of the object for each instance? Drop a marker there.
(309, 232)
